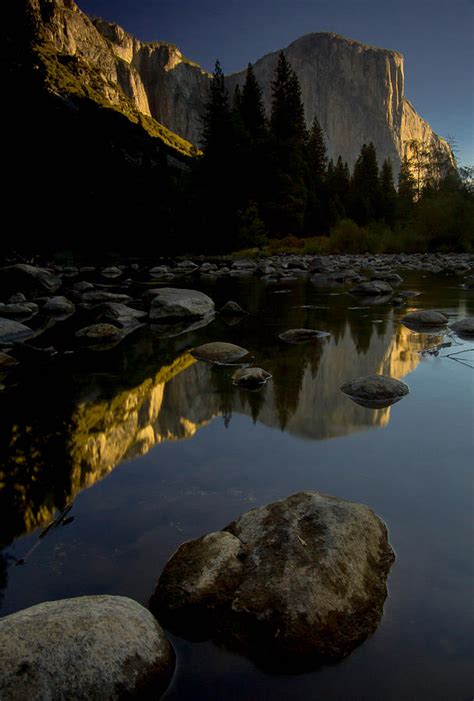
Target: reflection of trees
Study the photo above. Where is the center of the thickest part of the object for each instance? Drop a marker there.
(361, 331)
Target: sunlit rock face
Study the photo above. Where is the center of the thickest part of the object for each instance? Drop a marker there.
(357, 91)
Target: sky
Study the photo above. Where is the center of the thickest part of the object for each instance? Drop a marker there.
(435, 36)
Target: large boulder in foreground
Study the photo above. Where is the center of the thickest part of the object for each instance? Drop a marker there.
(28, 279)
(91, 647)
(174, 303)
(288, 584)
(375, 391)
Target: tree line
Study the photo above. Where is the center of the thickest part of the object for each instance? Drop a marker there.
(269, 178)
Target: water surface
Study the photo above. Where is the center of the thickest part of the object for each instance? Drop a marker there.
(154, 448)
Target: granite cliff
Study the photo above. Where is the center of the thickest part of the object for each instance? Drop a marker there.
(357, 91)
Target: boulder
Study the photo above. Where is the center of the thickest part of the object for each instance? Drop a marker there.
(251, 378)
(58, 306)
(12, 331)
(424, 319)
(175, 303)
(288, 583)
(373, 288)
(99, 334)
(96, 297)
(82, 286)
(90, 647)
(112, 271)
(375, 391)
(464, 327)
(28, 279)
(302, 335)
(118, 313)
(219, 352)
(17, 310)
(232, 309)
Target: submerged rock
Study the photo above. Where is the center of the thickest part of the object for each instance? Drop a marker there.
(232, 309)
(175, 303)
(96, 297)
(18, 309)
(112, 271)
(375, 391)
(464, 327)
(302, 335)
(425, 318)
(90, 647)
(251, 378)
(118, 313)
(11, 331)
(288, 583)
(373, 288)
(219, 352)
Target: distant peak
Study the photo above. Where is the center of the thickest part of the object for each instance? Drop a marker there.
(317, 36)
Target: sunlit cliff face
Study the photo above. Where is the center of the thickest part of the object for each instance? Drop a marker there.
(44, 472)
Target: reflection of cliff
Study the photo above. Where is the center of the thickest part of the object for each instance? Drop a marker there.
(51, 456)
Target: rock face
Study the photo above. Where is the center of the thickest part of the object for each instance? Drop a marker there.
(357, 91)
(290, 582)
(91, 647)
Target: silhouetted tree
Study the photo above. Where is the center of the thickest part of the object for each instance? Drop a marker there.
(388, 193)
(365, 187)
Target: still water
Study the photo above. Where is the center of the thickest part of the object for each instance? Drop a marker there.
(154, 448)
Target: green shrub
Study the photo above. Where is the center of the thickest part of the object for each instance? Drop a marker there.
(348, 237)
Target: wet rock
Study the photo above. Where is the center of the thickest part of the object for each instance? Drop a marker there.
(99, 334)
(326, 280)
(82, 286)
(187, 266)
(69, 271)
(58, 306)
(302, 335)
(90, 647)
(251, 378)
(464, 327)
(11, 331)
(17, 310)
(375, 391)
(287, 583)
(409, 294)
(175, 303)
(398, 301)
(424, 319)
(28, 279)
(373, 288)
(96, 297)
(17, 298)
(244, 264)
(219, 352)
(208, 268)
(117, 313)
(387, 276)
(232, 309)
(112, 272)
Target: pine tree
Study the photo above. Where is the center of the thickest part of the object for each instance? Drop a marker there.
(365, 187)
(407, 191)
(217, 121)
(316, 219)
(338, 190)
(317, 154)
(251, 106)
(388, 193)
(287, 170)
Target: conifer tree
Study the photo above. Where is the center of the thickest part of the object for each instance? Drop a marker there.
(365, 187)
(388, 193)
(407, 191)
(316, 219)
(251, 106)
(217, 122)
(317, 154)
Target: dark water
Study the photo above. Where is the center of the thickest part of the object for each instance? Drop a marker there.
(154, 449)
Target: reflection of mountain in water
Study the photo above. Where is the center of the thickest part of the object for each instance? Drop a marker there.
(52, 456)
